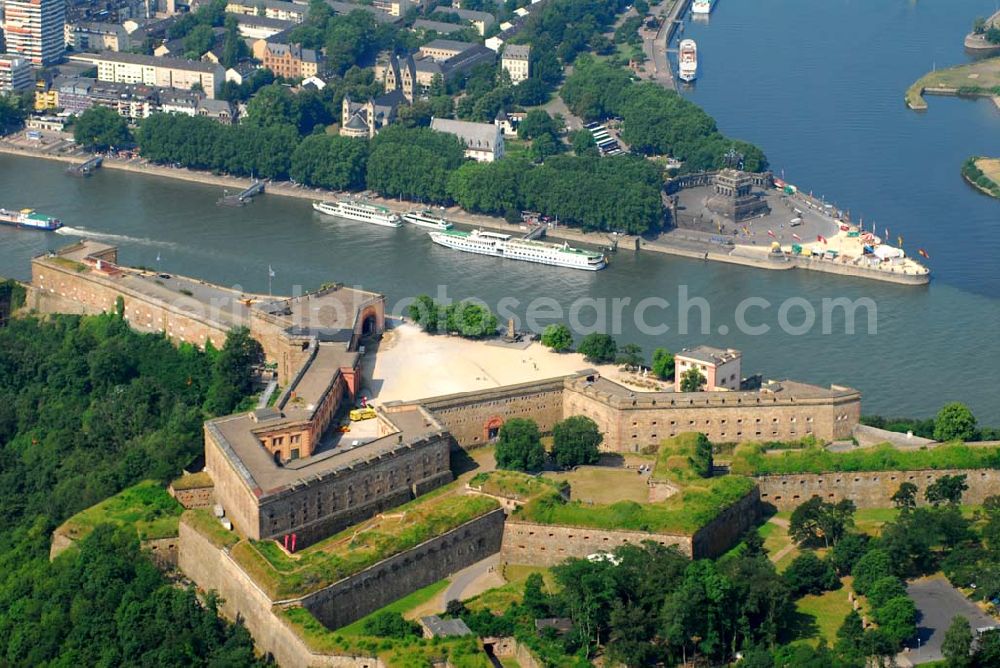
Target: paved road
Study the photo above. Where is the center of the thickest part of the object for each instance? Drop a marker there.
(937, 603)
(464, 578)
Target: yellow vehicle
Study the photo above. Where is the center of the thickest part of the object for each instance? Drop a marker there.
(362, 414)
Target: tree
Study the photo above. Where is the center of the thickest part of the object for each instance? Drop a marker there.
(897, 619)
(816, 519)
(536, 123)
(519, 446)
(905, 498)
(850, 638)
(272, 106)
(557, 337)
(884, 590)
(470, 320)
(663, 364)
(871, 568)
(598, 348)
(535, 599)
(198, 41)
(847, 551)
(954, 422)
(584, 144)
(101, 128)
(233, 375)
(388, 624)
(946, 489)
(630, 356)
(808, 574)
(333, 162)
(576, 440)
(979, 25)
(692, 380)
(701, 459)
(425, 312)
(12, 111)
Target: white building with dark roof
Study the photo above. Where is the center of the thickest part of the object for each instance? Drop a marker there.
(516, 60)
(483, 141)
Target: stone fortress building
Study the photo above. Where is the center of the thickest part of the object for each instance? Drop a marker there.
(286, 471)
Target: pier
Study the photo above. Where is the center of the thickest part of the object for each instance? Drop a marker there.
(247, 195)
(86, 168)
(537, 232)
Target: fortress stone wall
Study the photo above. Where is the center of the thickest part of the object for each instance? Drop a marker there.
(211, 568)
(377, 586)
(327, 503)
(549, 544)
(725, 531)
(472, 416)
(868, 489)
(66, 288)
(632, 421)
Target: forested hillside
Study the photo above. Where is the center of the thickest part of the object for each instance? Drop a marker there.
(88, 407)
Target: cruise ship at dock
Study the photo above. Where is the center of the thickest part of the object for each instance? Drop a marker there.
(503, 245)
(687, 60)
(360, 211)
(28, 218)
(426, 219)
(703, 7)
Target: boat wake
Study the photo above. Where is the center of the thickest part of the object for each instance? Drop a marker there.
(108, 236)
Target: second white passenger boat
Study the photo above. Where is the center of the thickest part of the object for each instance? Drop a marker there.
(359, 210)
(687, 60)
(426, 219)
(503, 245)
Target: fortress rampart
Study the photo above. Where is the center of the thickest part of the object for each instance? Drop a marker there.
(868, 489)
(473, 418)
(391, 579)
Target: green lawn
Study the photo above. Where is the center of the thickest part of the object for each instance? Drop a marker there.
(597, 484)
(282, 575)
(518, 573)
(145, 506)
(402, 606)
(820, 616)
(978, 77)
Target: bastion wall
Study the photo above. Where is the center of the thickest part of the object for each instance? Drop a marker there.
(868, 489)
(631, 424)
(389, 580)
(470, 416)
(329, 502)
(63, 289)
(211, 568)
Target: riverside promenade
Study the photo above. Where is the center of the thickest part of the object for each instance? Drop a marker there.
(678, 242)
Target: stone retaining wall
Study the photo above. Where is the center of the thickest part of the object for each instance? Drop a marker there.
(868, 489)
(470, 416)
(211, 568)
(361, 594)
(548, 544)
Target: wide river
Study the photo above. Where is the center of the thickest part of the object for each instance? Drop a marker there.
(818, 83)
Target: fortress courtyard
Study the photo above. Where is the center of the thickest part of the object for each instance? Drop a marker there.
(410, 364)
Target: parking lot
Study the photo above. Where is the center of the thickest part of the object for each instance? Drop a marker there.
(937, 603)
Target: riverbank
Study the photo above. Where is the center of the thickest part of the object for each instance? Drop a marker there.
(983, 174)
(976, 43)
(679, 243)
(978, 79)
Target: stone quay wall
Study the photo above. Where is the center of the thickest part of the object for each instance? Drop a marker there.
(868, 489)
(211, 568)
(725, 417)
(536, 544)
(391, 579)
(470, 416)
